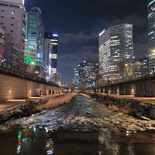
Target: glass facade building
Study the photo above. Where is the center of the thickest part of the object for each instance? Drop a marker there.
(35, 39)
(50, 54)
(76, 77)
(13, 21)
(115, 44)
(2, 43)
(54, 51)
(54, 41)
(87, 72)
(151, 34)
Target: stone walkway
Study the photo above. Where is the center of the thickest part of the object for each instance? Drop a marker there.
(142, 99)
(4, 105)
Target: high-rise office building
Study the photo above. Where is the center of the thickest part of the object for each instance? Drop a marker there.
(151, 34)
(2, 43)
(115, 44)
(140, 66)
(50, 54)
(76, 77)
(12, 20)
(35, 40)
(87, 72)
(54, 52)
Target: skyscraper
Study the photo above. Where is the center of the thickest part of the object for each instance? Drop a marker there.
(76, 77)
(50, 54)
(115, 44)
(54, 52)
(151, 34)
(2, 43)
(87, 72)
(35, 40)
(12, 20)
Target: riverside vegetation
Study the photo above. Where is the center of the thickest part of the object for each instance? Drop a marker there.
(34, 106)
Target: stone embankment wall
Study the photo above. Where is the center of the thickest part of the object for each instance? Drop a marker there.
(14, 88)
(129, 106)
(141, 87)
(20, 111)
(29, 108)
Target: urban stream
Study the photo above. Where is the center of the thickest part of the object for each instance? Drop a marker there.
(82, 127)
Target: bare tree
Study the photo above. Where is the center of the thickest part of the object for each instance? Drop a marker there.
(101, 81)
(124, 67)
(135, 67)
(82, 87)
(94, 76)
(30, 68)
(17, 58)
(70, 85)
(23, 68)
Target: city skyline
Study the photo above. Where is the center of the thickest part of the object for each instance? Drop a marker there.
(79, 40)
(77, 77)
(151, 33)
(115, 45)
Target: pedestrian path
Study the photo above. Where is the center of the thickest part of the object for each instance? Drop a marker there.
(142, 99)
(4, 105)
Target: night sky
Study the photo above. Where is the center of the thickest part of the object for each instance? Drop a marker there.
(78, 23)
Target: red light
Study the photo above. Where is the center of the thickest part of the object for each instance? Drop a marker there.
(19, 142)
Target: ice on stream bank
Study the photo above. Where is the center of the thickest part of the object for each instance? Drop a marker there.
(83, 115)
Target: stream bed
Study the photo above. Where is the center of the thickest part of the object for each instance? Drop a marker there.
(82, 127)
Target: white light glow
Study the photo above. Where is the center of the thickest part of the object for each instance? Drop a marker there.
(34, 129)
(54, 56)
(18, 148)
(23, 1)
(38, 55)
(101, 32)
(54, 43)
(49, 69)
(54, 70)
(55, 35)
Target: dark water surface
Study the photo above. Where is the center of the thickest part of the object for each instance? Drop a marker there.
(40, 141)
(82, 127)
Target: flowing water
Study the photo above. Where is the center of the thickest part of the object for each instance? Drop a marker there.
(80, 128)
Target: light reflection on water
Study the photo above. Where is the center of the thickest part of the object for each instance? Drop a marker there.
(41, 141)
(29, 136)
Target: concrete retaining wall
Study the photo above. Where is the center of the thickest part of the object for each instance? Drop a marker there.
(13, 87)
(143, 88)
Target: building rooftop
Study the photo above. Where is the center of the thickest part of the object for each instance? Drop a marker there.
(36, 9)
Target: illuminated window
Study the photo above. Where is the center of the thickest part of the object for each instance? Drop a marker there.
(54, 56)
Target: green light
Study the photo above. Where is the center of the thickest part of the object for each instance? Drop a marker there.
(29, 57)
(19, 136)
(19, 133)
(25, 129)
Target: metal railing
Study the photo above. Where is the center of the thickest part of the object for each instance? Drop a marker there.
(19, 72)
(131, 78)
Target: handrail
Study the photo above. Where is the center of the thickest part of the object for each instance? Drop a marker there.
(18, 72)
